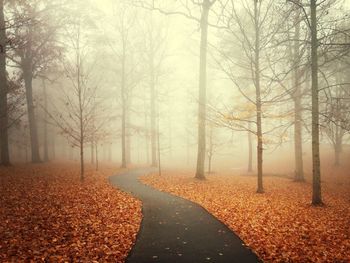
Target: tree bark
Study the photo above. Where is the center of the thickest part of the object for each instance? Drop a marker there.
(46, 144)
(338, 141)
(202, 91)
(316, 171)
(210, 150)
(81, 108)
(298, 147)
(92, 152)
(123, 97)
(28, 81)
(127, 136)
(258, 99)
(336, 156)
(153, 106)
(250, 151)
(96, 155)
(4, 144)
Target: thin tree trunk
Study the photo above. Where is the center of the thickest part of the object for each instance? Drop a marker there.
(110, 152)
(26, 153)
(158, 146)
(209, 164)
(81, 109)
(338, 143)
(96, 155)
(316, 171)
(53, 145)
(153, 107)
(34, 142)
(336, 156)
(202, 91)
(4, 144)
(298, 146)
(258, 100)
(46, 118)
(82, 166)
(123, 139)
(127, 137)
(210, 150)
(92, 152)
(123, 95)
(250, 150)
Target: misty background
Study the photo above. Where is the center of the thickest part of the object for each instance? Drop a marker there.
(117, 50)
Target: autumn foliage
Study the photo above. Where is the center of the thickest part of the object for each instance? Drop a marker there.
(48, 215)
(280, 225)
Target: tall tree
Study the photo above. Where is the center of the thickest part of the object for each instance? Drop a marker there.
(35, 48)
(123, 48)
(251, 27)
(4, 143)
(155, 39)
(316, 169)
(297, 99)
(79, 101)
(183, 8)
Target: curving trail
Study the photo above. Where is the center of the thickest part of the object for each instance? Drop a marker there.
(176, 230)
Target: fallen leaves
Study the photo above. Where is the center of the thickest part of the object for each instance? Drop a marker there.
(47, 214)
(280, 225)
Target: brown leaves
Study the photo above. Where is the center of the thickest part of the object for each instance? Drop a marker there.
(280, 225)
(48, 215)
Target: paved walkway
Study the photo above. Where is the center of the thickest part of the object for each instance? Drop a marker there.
(176, 230)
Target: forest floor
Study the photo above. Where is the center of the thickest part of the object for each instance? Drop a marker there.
(48, 215)
(279, 225)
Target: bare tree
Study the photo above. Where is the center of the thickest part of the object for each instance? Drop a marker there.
(155, 36)
(123, 48)
(186, 10)
(80, 101)
(251, 26)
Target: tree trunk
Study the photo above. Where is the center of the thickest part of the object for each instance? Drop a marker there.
(258, 100)
(336, 156)
(53, 145)
(81, 107)
(82, 166)
(158, 146)
(4, 144)
(250, 151)
(298, 147)
(123, 96)
(96, 155)
(46, 118)
(127, 137)
(316, 171)
(34, 142)
(209, 163)
(202, 91)
(110, 152)
(210, 150)
(92, 152)
(153, 109)
(123, 139)
(338, 144)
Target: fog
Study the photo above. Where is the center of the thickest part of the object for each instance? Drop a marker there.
(123, 80)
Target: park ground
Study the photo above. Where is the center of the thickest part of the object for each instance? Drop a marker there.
(279, 225)
(49, 215)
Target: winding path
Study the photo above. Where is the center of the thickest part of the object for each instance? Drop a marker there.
(176, 230)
